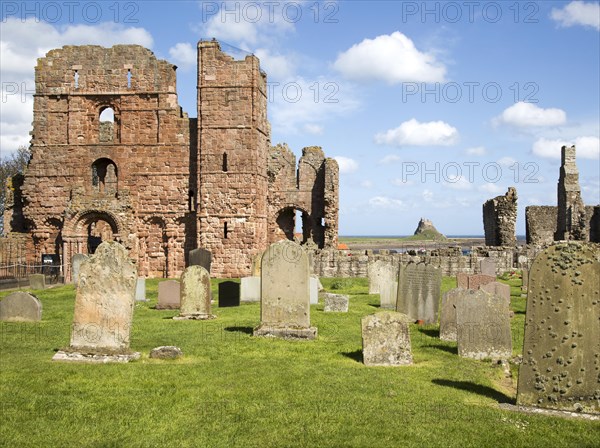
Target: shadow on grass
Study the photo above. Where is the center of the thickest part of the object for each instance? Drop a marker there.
(432, 332)
(475, 388)
(445, 348)
(356, 355)
(245, 330)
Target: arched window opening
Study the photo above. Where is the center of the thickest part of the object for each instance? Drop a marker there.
(294, 224)
(107, 125)
(104, 176)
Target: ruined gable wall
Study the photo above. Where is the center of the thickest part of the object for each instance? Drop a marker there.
(540, 224)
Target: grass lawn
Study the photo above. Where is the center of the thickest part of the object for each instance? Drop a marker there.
(233, 390)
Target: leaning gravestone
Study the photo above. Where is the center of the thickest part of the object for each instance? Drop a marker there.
(169, 292)
(200, 257)
(229, 294)
(487, 266)
(483, 326)
(37, 281)
(448, 313)
(336, 303)
(20, 307)
(250, 289)
(285, 294)
(388, 295)
(76, 261)
(195, 294)
(419, 287)
(140, 290)
(561, 349)
(103, 308)
(380, 272)
(386, 339)
(498, 289)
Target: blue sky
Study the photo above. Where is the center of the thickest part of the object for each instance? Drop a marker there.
(431, 108)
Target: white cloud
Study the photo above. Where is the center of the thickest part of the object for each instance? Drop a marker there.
(346, 164)
(458, 183)
(491, 188)
(578, 13)
(390, 58)
(506, 161)
(386, 202)
(587, 147)
(527, 114)
(277, 66)
(184, 55)
(390, 158)
(427, 195)
(366, 184)
(413, 133)
(475, 151)
(313, 129)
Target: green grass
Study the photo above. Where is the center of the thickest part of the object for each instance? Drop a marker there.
(233, 390)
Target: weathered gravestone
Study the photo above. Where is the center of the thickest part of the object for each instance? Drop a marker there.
(76, 261)
(250, 289)
(487, 266)
(482, 326)
(20, 307)
(381, 272)
(336, 303)
(419, 287)
(229, 294)
(561, 347)
(169, 292)
(314, 290)
(140, 289)
(195, 294)
(256, 260)
(525, 280)
(388, 295)
(448, 313)
(285, 294)
(499, 290)
(462, 280)
(103, 308)
(477, 280)
(37, 281)
(200, 257)
(386, 339)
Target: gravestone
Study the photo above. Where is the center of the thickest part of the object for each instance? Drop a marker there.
(380, 272)
(76, 261)
(386, 339)
(483, 326)
(20, 307)
(561, 349)
(525, 280)
(256, 260)
(314, 290)
(169, 292)
(419, 287)
(285, 293)
(336, 303)
(498, 289)
(195, 294)
(487, 266)
(388, 295)
(462, 280)
(37, 281)
(103, 308)
(229, 294)
(200, 257)
(448, 313)
(250, 289)
(140, 290)
(166, 352)
(477, 280)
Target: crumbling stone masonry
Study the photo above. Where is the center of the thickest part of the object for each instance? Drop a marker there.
(499, 219)
(571, 219)
(114, 157)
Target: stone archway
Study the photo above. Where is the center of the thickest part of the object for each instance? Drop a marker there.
(293, 223)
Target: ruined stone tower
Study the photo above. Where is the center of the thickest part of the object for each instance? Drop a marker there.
(499, 219)
(571, 217)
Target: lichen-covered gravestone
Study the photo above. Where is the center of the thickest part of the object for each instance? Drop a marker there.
(561, 348)
(487, 266)
(336, 303)
(20, 307)
(498, 289)
(388, 295)
(195, 294)
(483, 326)
(285, 295)
(76, 261)
(419, 286)
(386, 339)
(476, 281)
(448, 313)
(169, 292)
(103, 308)
(37, 281)
(200, 257)
(525, 280)
(380, 272)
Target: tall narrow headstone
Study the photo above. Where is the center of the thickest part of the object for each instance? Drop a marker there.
(487, 266)
(103, 308)
(229, 294)
(195, 294)
(250, 289)
(525, 280)
(285, 293)
(419, 289)
(76, 261)
(37, 281)
(386, 339)
(483, 326)
(561, 348)
(462, 280)
(20, 307)
(448, 313)
(169, 292)
(140, 290)
(380, 272)
(388, 295)
(314, 290)
(200, 257)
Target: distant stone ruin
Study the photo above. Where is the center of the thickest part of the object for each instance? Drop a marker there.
(499, 219)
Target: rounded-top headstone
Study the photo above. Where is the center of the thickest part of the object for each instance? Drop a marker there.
(20, 307)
